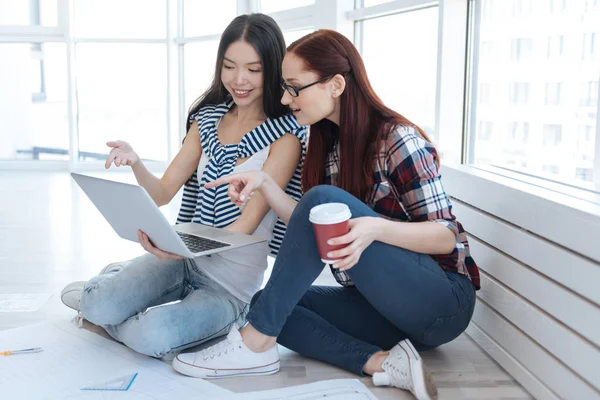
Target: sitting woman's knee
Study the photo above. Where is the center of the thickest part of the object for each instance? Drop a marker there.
(98, 309)
(322, 194)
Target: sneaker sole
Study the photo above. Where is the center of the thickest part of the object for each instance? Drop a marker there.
(207, 373)
(424, 387)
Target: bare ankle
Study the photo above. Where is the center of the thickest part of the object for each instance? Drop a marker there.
(256, 341)
(375, 363)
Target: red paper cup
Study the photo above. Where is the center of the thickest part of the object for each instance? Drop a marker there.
(330, 220)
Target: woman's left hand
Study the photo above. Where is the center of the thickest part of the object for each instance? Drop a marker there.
(363, 232)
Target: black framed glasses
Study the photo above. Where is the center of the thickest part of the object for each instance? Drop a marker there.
(295, 92)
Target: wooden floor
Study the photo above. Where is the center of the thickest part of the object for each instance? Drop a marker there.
(51, 234)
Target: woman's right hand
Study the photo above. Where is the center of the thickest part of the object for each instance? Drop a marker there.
(241, 186)
(121, 154)
(149, 247)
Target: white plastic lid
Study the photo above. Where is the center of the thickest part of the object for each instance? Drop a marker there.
(329, 213)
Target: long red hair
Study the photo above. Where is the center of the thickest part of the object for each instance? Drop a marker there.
(364, 120)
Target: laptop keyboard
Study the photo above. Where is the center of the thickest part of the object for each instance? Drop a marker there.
(196, 244)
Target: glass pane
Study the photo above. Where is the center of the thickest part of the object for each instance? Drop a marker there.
(405, 78)
(369, 3)
(536, 104)
(34, 12)
(138, 19)
(291, 36)
(33, 102)
(122, 94)
(207, 17)
(200, 59)
(271, 6)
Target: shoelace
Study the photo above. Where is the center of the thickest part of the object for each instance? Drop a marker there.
(78, 320)
(219, 349)
(399, 374)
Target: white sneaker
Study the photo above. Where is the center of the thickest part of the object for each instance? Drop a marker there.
(404, 369)
(226, 359)
(71, 294)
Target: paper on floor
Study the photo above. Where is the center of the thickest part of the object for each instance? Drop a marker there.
(337, 389)
(23, 302)
(76, 358)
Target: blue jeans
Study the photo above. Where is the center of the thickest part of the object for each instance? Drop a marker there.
(399, 294)
(120, 300)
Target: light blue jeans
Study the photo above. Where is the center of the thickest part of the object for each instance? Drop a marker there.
(128, 300)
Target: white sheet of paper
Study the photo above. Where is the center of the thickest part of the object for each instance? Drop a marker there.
(337, 389)
(75, 358)
(23, 302)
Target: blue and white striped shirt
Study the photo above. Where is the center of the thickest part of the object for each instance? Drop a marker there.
(213, 207)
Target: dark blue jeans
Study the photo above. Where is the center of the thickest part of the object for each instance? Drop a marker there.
(399, 294)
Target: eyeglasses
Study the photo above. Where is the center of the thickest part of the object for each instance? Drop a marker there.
(295, 92)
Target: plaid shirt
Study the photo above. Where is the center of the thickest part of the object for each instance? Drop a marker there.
(407, 187)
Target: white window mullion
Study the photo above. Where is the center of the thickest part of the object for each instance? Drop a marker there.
(182, 107)
(172, 125)
(65, 10)
(452, 63)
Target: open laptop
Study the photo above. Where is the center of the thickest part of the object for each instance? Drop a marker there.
(128, 208)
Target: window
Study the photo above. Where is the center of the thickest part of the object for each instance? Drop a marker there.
(32, 12)
(521, 50)
(585, 174)
(589, 94)
(553, 92)
(552, 135)
(113, 19)
(405, 83)
(551, 169)
(519, 93)
(33, 129)
(521, 8)
(591, 46)
(518, 132)
(557, 6)
(270, 6)
(291, 36)
(485, 130)
(585, 144)
(592, 5)
(199, 68)
(130, 106)
(555, 46)
(369, 3)
(207, 17)
(544, 70)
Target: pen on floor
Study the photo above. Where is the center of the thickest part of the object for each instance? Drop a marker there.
(23, 351)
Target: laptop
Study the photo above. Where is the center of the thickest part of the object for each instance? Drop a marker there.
(128, 208)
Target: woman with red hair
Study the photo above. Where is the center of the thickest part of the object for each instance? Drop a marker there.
(408, 280)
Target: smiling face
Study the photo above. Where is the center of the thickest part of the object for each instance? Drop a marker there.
(313, 103)
(242, 74)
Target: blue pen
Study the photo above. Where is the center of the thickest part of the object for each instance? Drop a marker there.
(23, 351)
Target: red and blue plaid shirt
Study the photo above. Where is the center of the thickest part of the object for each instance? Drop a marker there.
(408, 188)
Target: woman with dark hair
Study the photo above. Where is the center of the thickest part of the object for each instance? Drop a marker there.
(160, 302)
(408, 280)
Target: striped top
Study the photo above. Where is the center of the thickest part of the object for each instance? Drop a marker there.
(213, 207)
